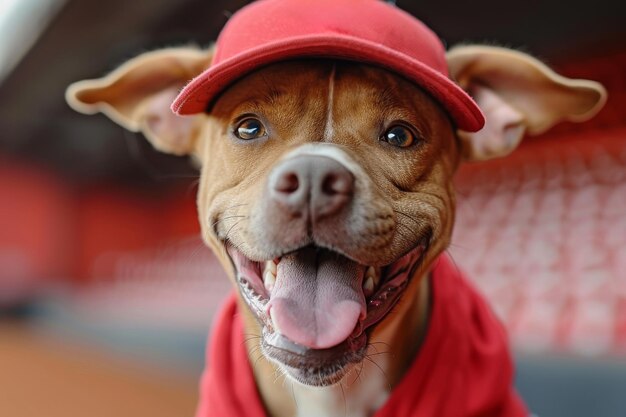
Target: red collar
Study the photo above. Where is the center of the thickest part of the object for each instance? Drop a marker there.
(463, 369)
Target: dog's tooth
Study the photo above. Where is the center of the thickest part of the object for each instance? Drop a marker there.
(271, 265)
(275, 324)
(373, 273)
(269, 279)
(368, 286)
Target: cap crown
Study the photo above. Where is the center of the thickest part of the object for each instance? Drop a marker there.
(268, 21)
(368, 31)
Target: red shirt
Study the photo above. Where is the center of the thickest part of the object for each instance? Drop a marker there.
(462, 370)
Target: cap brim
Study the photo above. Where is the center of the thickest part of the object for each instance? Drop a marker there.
(199, 94)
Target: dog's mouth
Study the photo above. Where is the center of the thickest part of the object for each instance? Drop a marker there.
(316, 306)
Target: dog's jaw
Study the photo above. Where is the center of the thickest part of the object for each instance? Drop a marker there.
(381, 289)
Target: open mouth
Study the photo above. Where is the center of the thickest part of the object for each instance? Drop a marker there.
(316, 306)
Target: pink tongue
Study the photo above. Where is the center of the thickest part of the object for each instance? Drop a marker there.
(317, 299)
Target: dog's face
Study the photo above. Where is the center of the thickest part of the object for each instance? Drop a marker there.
(326, 186)
(333, 186)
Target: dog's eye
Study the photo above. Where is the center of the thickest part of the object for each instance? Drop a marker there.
(400, 136)
(249, 129)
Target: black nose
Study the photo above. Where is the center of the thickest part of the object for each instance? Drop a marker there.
(311, 185)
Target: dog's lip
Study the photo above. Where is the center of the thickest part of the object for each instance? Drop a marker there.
(295, 355)
(314, 367)
(392, 287)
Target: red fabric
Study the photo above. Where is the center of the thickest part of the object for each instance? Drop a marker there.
(369, 31)
(462, 370)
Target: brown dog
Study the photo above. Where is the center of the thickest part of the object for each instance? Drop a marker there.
(323, 181)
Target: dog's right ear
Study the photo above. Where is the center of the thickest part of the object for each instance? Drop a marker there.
(138, 94)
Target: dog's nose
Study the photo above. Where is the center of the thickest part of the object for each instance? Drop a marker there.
(311, 184)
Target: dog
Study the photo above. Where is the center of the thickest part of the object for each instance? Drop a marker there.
(326, 192)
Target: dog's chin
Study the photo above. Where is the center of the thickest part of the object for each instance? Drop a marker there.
(309, 364)
(313, 367)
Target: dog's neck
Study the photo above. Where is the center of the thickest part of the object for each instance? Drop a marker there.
(392, 348)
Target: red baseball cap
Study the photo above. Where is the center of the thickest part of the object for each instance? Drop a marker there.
(369, 31)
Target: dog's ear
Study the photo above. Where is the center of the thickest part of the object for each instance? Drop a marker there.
(518, 95)
(138, 94)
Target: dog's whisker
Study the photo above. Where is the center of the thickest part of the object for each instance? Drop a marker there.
(360, 370)
(225, 211)
(280, 373)
(232, 243)
(345, 403)
(286, 380)
(246, 340)
(192, 186)
(256, 355)
(373, 344)
(293, 393)
(459, 246)
(378, 353)
(221, 219)
(227, 235)
(456, 265)
(381, 370)
(258, 358)
(254, 349)
(357, 371)
(357, 374)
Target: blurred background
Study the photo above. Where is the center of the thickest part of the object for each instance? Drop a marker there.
(107, 293)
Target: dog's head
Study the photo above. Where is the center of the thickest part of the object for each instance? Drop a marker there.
(326, 185)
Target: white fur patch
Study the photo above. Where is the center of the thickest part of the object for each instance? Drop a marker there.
(331, 151)
(328, 130)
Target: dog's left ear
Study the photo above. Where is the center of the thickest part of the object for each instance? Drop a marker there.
(138, 94)
(518, 94)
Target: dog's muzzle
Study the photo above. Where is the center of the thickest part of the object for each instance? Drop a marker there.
(315, 301)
